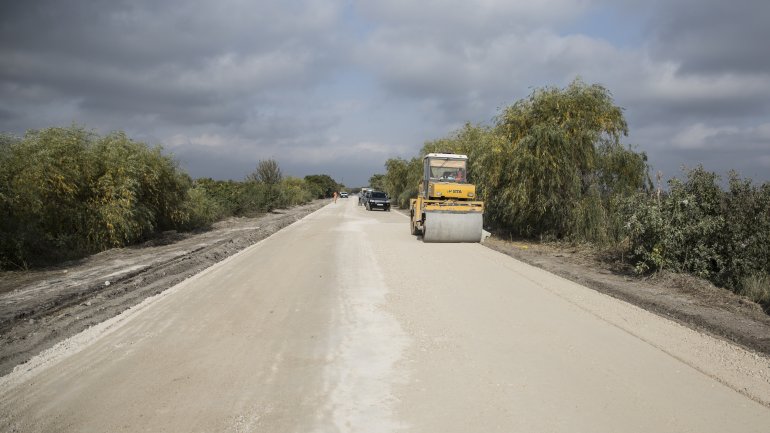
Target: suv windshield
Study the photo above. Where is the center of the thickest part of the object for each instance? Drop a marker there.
(378, 195)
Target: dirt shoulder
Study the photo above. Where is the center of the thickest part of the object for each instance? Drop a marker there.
(42, 307)
(688, 300)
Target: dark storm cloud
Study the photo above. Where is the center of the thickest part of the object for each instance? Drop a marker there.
(136, 33)
(733, 108)
(181, 62)
(456, 68)
(7, 115)
(339, 84)
(714, 36)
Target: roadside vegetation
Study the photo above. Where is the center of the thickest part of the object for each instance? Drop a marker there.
(553, 167)
(68, 192)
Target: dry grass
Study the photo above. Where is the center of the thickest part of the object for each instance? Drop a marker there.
(757, 288)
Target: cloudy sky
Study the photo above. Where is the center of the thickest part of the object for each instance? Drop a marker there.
(337, 87)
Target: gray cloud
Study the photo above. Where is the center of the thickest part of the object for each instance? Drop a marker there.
(714, 36)
(670, 82)
(202, 62)
(346, 85)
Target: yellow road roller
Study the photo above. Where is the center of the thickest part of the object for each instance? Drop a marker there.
(446, 208)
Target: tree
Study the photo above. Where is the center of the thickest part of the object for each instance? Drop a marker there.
(401, 179)
(480, 143)
(294, 191)
(559, 163)
(65, 192)
(377, 181)
(269, 174)
(322, 185)
(552, 165)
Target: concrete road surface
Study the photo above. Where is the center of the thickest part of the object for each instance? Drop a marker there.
(343, 322)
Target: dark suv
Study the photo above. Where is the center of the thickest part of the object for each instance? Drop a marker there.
(377, 200)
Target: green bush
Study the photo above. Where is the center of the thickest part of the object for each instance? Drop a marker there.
(322, 185)
(200, 208)
(46, 176)
(294, 191)
(226, 195)
(746, 237)
(133, 192)
(401, 180)
(646, 231)
(67, 192)
(251, 197)
(698, 228)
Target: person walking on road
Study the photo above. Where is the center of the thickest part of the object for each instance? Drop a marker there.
(335, 196)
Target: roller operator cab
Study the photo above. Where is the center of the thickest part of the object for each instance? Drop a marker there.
(446, 208)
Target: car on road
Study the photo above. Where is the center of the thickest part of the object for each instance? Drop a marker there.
(343, 194)
(377, 200)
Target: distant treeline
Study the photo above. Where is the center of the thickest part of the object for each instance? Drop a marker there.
(68, 192)
(552, 167)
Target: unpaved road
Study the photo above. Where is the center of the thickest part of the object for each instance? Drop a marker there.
(343, 322)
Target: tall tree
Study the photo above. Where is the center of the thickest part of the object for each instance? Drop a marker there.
(267, 172)
(377, 181)
(549, 168)
(322, 185)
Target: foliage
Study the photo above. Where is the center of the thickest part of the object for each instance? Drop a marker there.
(202, 209)
(322, 185)
(268, 174)
(67, 192)
(377, 182)
(231, 198)
(401, 179)
(746, 208)
(697, 227)
(294, 191)
(132, 192)
(227, 196)
(683, 230)
(553, 166)
(558, 163)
